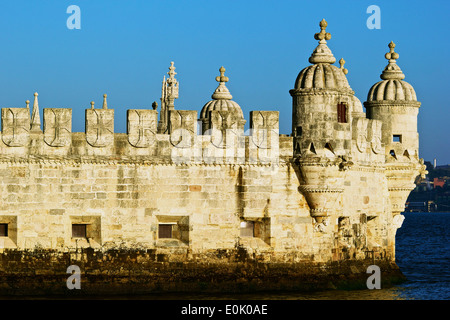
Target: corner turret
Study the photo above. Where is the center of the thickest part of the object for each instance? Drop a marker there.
(393, 101)
(322, 106)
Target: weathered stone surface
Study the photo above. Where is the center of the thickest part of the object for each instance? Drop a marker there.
(58, 127)
(15, 126)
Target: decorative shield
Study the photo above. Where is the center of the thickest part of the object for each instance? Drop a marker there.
(361, 134)
(58, 127)
(100, 127)
(183, 128)
(15, 126)
(375, 135)
(142, 126)
(264, 125)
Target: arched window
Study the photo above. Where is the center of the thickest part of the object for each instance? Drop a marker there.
(342, 112)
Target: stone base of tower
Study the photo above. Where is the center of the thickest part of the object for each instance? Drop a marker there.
(131, 272)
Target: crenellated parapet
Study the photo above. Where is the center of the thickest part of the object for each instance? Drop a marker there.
(224, 142)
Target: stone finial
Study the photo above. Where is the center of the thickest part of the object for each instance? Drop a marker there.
(322, 35)
(222, 92)
(392, 70)
(341, 63)
(105, 105)
(35, 118)
(171, 85)
(28, 104)
(92, 105)
(222, 77)
(322, 54)
(171, 72)
(391, 55)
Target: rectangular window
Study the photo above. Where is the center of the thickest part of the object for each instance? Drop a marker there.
(79, 231)
(164, 231)
(342, 112)
(3, 229)
(247, 229)
(397, 138)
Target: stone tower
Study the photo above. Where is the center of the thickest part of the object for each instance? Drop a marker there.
(394, 102)
(322, 112)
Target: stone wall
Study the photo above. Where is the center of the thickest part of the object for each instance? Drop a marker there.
(124, 188)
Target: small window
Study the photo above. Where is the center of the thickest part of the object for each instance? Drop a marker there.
(342, 112)
(247, 229)
(299, 131)
(397, 138)
(164, 231)
(3, 229)
(79, 231)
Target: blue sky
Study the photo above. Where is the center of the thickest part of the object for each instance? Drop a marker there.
(124, 48)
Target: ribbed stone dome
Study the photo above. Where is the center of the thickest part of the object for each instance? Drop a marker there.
(392, 90)
(392, 86)
(321, 76)
(221, 99)
(221, 105)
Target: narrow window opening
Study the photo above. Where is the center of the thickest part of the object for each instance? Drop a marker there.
(164, 231)
(3, 229)
(79, 231)
(299, 131)
(342, 112)
(397, 138)
(312, 149)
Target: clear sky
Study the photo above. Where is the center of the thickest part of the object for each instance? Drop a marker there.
(124, 49)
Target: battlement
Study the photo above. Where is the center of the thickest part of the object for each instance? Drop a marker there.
(183, 142)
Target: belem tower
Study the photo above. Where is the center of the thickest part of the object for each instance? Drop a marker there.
(193, 202)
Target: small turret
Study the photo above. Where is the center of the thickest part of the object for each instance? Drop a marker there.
(322, 104)
(393, 101)
(322, 111)
(231, 115)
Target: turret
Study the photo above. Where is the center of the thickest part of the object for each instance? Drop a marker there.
(222, 113)
(323, 105)
(393, 101)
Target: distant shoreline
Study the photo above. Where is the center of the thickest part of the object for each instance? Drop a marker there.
(426, 212)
